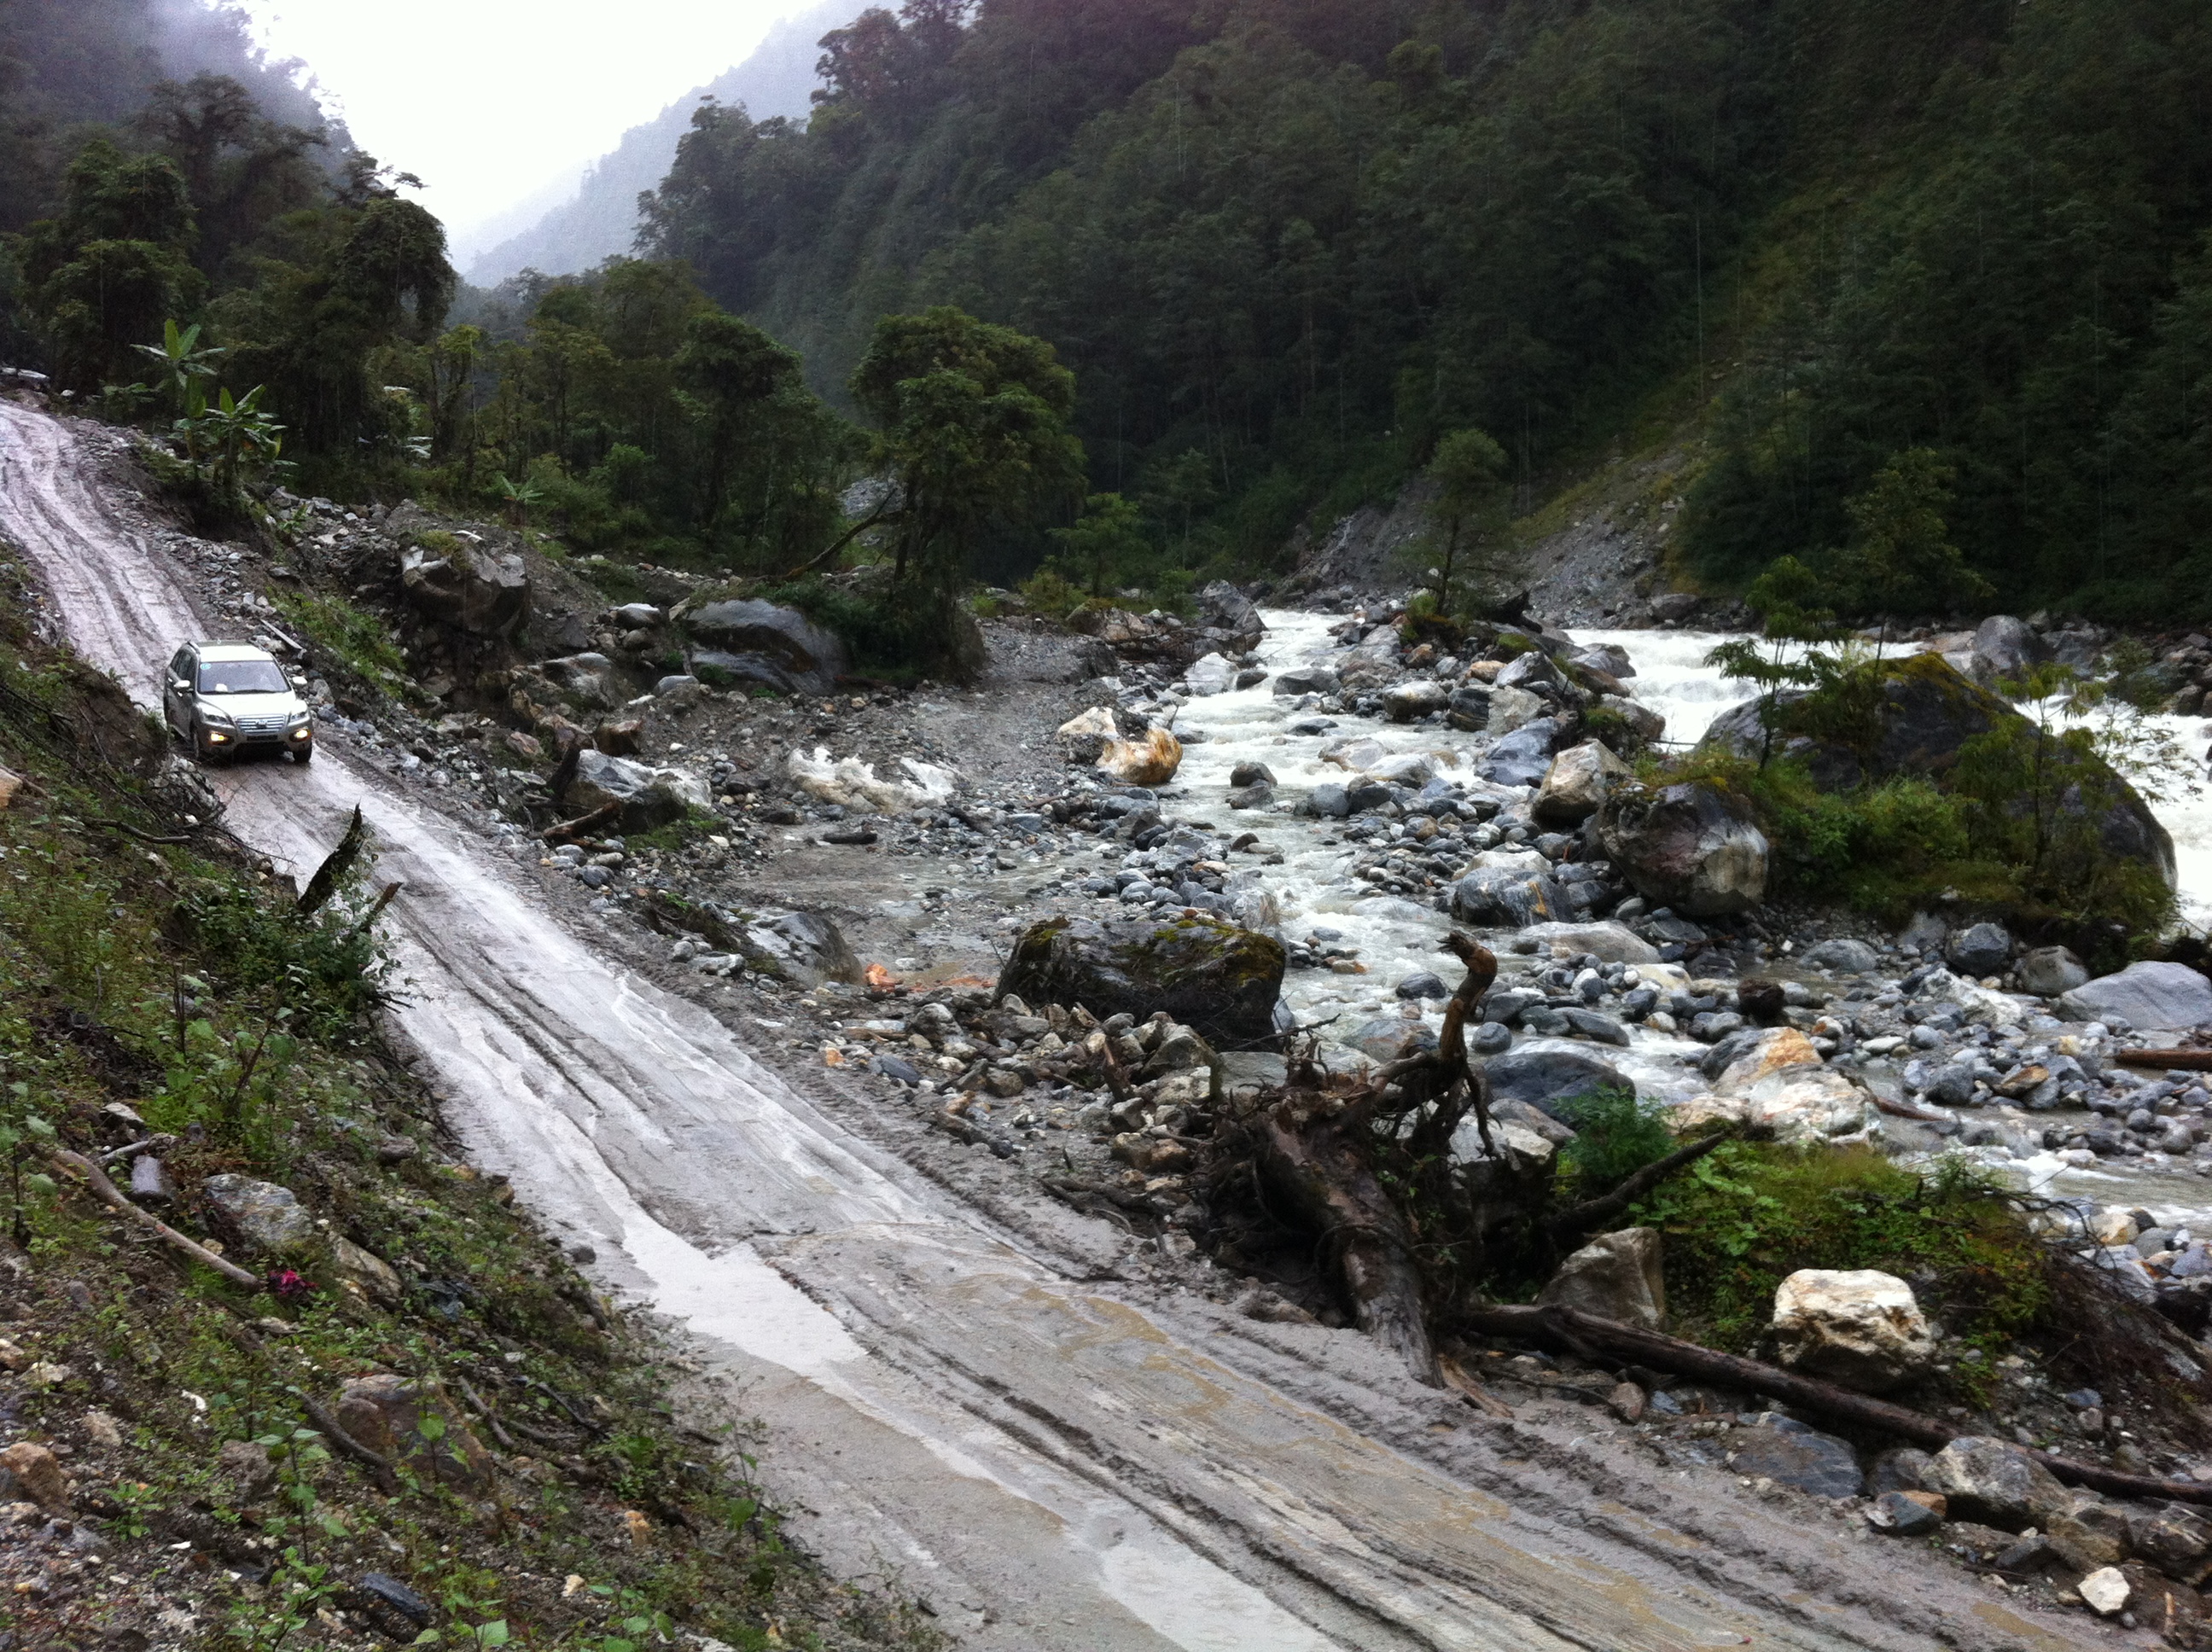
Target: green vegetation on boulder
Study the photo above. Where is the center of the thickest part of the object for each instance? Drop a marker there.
(1211, 975)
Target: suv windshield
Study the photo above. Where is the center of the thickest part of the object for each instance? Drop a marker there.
(243, 676)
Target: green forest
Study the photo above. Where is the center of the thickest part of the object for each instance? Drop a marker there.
(1863, 262)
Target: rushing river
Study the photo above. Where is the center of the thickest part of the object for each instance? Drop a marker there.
(1397, 936)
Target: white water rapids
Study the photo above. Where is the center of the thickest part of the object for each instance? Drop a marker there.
(1397, 937)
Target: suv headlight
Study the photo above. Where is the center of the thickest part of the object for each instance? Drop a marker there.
(214, 719)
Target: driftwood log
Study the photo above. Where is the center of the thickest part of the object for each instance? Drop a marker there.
(2179, 1060)
(1588, 1335)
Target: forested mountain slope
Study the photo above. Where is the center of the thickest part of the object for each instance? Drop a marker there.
(599, 222)
(1284, 245)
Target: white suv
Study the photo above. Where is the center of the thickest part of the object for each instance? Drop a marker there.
(225, 699)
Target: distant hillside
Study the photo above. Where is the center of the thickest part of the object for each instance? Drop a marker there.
(1892, 278)
(601, 219)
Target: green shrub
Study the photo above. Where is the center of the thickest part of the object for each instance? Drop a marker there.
(362, 643)
(1617, 1133)
(1747, 1215)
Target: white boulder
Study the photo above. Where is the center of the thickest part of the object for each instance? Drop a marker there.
(1857, 1327)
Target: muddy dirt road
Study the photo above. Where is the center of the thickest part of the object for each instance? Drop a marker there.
(1048, 1454)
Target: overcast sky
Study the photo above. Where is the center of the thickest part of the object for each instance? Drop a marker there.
(488, 101)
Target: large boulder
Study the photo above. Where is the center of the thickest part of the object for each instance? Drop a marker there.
(649, 797)
(1773, 1083)
(1209, 674)
(2004, 649)
(1925, 714)
(1690, 847)
(1304, 679)
(804, 947)
(1506, 709)
(1524, 756)
(2048, 971)
(1994, 1483)
(1781, 1449)
(588, 679)
(1548, 1080)
(1214, 977)
(1607, 942)
(761, 641)
(463, 578)
(1148, 759)
(1856, 1325)
(2169, 996)
(1617, 1277)
(1415, 698)
(1222, 607)
(1510, 889)
(1576, 783)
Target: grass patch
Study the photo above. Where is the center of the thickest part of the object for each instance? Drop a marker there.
(360, 645)
(1747, 1215)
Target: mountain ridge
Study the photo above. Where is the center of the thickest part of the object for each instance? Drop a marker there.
(599, 221)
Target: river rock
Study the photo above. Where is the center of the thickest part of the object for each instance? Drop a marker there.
(1607, 942)
(1781, 1449)
(1803, 1102)
(1900, 1516)
(1222, 607)
(1468, 708)
(2176, 1539)
(1524, 756)
(2105, 1591)
(1608, 657)
(1994, 1483)
(1218, 978)
(11, 784)
(1617, 1276)
(474, 587)
(1209, 675)
(1857, 1327)
(764, 643)
(2005, 649)
(1511, 709)
(1644, 724)
(1576, 783)
(2167, 997)
(804, 947)
(1842, 956)
(1548, 1079)
(386, 1414)
(1511, 888)
(649, 797)
(1408, 701)
(586, 678)
(1305, 679)
(1977, 949)
(2048, 971)
(2089, 1533)
(269, 1218)
(1149, 759)
(1688, 846)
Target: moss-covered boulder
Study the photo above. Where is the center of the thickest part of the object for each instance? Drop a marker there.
(1212, 977)
(1916, 716)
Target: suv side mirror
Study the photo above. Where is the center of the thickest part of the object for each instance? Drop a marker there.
(178, 685)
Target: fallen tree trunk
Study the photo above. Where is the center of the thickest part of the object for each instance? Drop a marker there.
(1586, 1333)
(2179, 1060)
(1318, 1152)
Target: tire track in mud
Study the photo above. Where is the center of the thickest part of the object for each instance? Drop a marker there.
(1053, 1466)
